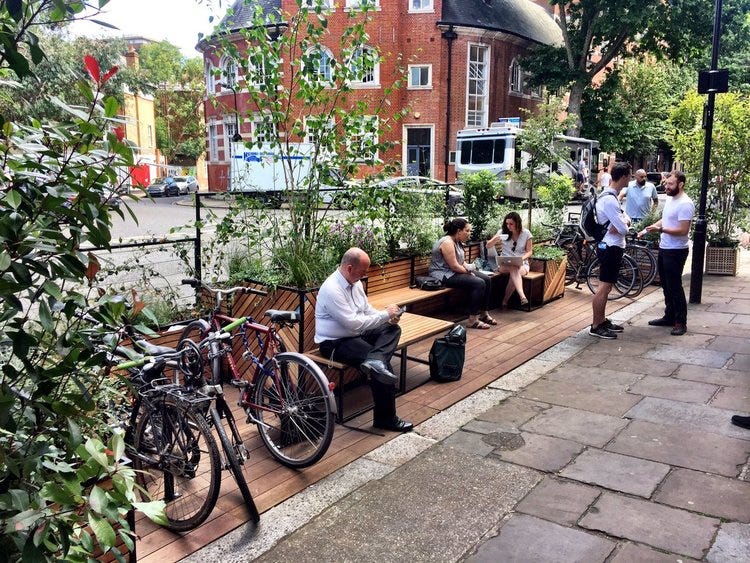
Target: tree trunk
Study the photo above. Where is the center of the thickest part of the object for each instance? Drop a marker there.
(574, 108)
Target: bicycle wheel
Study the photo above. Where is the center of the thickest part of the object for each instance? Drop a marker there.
(292, 409)
(212, 368)
(177, 461)
(626, 266)
(626, 277)
(645, 260)
(573, 262)
(232, 453)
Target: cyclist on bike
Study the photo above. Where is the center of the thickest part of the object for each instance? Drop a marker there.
(610, 249)
(351, 331)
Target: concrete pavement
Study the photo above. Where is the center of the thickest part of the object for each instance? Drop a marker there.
(595, 450)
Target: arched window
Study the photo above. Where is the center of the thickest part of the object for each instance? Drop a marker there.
(516, 77)
(210, 77)
(365, 66)
(322, 63)
(228, 71)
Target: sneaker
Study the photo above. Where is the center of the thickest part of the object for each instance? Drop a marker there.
(612, 326)
(602, 332)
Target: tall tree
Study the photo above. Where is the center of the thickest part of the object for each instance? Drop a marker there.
(596, 32)
(179, 88)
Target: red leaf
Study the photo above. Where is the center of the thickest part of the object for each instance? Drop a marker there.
(92, 67)
(109, 74)
(119, 133)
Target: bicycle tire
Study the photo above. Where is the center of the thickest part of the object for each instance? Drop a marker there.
(573, 262)
(637, 287)
(298, 427)
(233, 463)
(197, 331)
(183, 460)
(646, 262)
(625, 278)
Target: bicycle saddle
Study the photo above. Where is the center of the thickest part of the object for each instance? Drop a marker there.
(149, 349)
(283, 316)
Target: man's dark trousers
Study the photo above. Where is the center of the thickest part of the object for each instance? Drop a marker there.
(378, 344)
(670, 264)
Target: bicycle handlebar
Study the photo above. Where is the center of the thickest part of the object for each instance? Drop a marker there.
(192, 282)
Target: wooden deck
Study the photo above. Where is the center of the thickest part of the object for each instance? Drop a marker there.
(490, 354)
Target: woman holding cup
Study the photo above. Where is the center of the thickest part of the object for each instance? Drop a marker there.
(515, 241)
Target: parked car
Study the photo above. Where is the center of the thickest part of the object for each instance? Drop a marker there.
(186, 184)
(163, 187)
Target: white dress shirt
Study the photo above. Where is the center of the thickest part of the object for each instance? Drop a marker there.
(342, 310)
(608, 209)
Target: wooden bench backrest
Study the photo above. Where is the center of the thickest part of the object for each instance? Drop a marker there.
(394, 275)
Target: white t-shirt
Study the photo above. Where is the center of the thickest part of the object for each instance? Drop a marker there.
(605, 179)
(676, 209)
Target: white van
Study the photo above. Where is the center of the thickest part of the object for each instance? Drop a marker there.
(494, 148)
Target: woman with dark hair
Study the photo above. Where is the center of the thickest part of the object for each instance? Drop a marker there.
(448, 265)
(515, 241)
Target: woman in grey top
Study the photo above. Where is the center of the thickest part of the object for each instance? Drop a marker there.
(447, 264)
(515, 241)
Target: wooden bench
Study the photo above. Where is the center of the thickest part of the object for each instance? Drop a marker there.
(414, 328)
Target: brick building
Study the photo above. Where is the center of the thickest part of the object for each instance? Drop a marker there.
(461, 60)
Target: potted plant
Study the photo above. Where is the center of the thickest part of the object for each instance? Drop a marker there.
(551, 261)
(729, 182)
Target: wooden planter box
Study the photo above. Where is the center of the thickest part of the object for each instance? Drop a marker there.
(554, 277)
(722, 260)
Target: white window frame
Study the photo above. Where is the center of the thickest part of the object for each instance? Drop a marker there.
(405, 147)
(229, 73)
(256, 124)
(374, 82)
(477, 117)
(210, 78)
(354, 142)
(324, 4)
(518, 79)
(323, 51)
(425, 6)
(331, 122)
(350, 4)
(229, 130)
(213, 142)
(412, 86)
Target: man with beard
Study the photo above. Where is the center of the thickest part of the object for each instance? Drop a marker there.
(674, 227)
(640, 197)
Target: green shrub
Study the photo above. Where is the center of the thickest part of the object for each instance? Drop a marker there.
(481, 192)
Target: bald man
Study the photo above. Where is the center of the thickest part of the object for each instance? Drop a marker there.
(351, 331)
(640, 197)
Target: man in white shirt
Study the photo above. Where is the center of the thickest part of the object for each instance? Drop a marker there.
(640, 197)
(605, 179)
(674, 227)
(351, 331)
(609, 250)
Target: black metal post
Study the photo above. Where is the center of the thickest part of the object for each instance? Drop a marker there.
(450, 36)
(699, 234)
(197, 249)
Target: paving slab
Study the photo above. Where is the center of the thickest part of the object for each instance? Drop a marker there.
(523, 375)
(441, 486)
(740, 362)
(618, 472)
(401, 449)
(589, 428)
(701, 357)
(705, 493)
(675, 389)
(528, 539)
(732, 344)
(470, 443)
(451, 419)
(631, 347)
(728, 377)
(588, 358)
(544, 453)
(512, 413)
(741, 320)
(734, 306)
(703, 418)
(732, 544)
(557, 500)
(641, 365)
(682, 447)
(672, 529)
(618, 380)
(632, 552)
(605, 401)
(708, 319)
(733, 399)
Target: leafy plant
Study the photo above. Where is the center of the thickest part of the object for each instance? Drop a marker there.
(481, 191)
(548, 252)
(554, 196)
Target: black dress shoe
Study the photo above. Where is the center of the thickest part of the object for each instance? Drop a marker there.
(377, 370)
(664, 321)
(741, 421)
(396, 425)
(678, 330)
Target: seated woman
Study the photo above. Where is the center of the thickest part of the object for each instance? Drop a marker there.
(516, 241)
(447, 264)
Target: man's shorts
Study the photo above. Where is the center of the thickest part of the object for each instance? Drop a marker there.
(609, 263)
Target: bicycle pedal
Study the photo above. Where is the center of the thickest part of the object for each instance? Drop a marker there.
(239, 383)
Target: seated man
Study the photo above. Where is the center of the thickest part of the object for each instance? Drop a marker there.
(349, 330)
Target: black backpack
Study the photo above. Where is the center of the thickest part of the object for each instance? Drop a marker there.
(447, 355)
(592, 229)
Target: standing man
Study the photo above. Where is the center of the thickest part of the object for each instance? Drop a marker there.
(605, 179)
(349, 330)
(674, 227)
(640, 197)
(610, 249)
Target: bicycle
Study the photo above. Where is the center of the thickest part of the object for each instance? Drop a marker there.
(172, 449)
(641, 251)
(583, 264)
(287, 396)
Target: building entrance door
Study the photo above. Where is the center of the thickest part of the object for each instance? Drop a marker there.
(418, 151)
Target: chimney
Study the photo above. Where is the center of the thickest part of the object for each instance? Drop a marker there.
(131, 58)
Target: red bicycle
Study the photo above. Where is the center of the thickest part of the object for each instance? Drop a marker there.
(286, 394)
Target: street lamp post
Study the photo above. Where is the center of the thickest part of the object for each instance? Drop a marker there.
(236, 138)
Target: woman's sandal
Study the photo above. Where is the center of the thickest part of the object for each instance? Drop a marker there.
(479, 324)
(489, 320)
